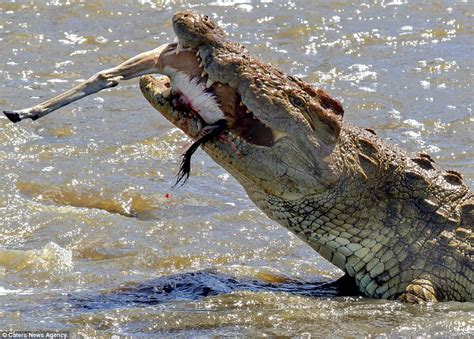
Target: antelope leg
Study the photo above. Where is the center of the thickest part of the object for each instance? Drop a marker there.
(144, 63)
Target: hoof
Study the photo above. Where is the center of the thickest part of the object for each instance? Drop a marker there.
(12, 116)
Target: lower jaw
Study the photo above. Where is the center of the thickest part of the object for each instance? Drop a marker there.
(152, 89)
(223, 148)
(192, 124)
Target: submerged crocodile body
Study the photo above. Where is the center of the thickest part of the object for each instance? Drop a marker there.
(398, 227)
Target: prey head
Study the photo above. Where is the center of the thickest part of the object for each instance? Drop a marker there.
(280, 131)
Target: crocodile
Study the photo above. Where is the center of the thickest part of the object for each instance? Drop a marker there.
(397, 225)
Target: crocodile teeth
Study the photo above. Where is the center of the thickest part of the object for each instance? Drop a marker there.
(197, 53)
(201, 64)
(179, 48)
(209, 83)
(241, 104)
(166, 93)
(203, 74)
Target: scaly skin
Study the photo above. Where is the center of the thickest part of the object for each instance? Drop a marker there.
(398, 227)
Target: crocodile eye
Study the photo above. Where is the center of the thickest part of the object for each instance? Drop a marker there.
(298, 102)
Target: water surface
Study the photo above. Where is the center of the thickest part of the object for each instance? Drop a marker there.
(93, 239)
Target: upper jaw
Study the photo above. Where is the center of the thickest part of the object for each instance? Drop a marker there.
(194, 93)
(195, 29)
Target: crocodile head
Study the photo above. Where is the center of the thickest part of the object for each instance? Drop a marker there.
(280, 131)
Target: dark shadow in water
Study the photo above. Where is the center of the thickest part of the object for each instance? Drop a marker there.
(197, 285)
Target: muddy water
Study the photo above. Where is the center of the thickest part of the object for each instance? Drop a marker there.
(93, 239)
